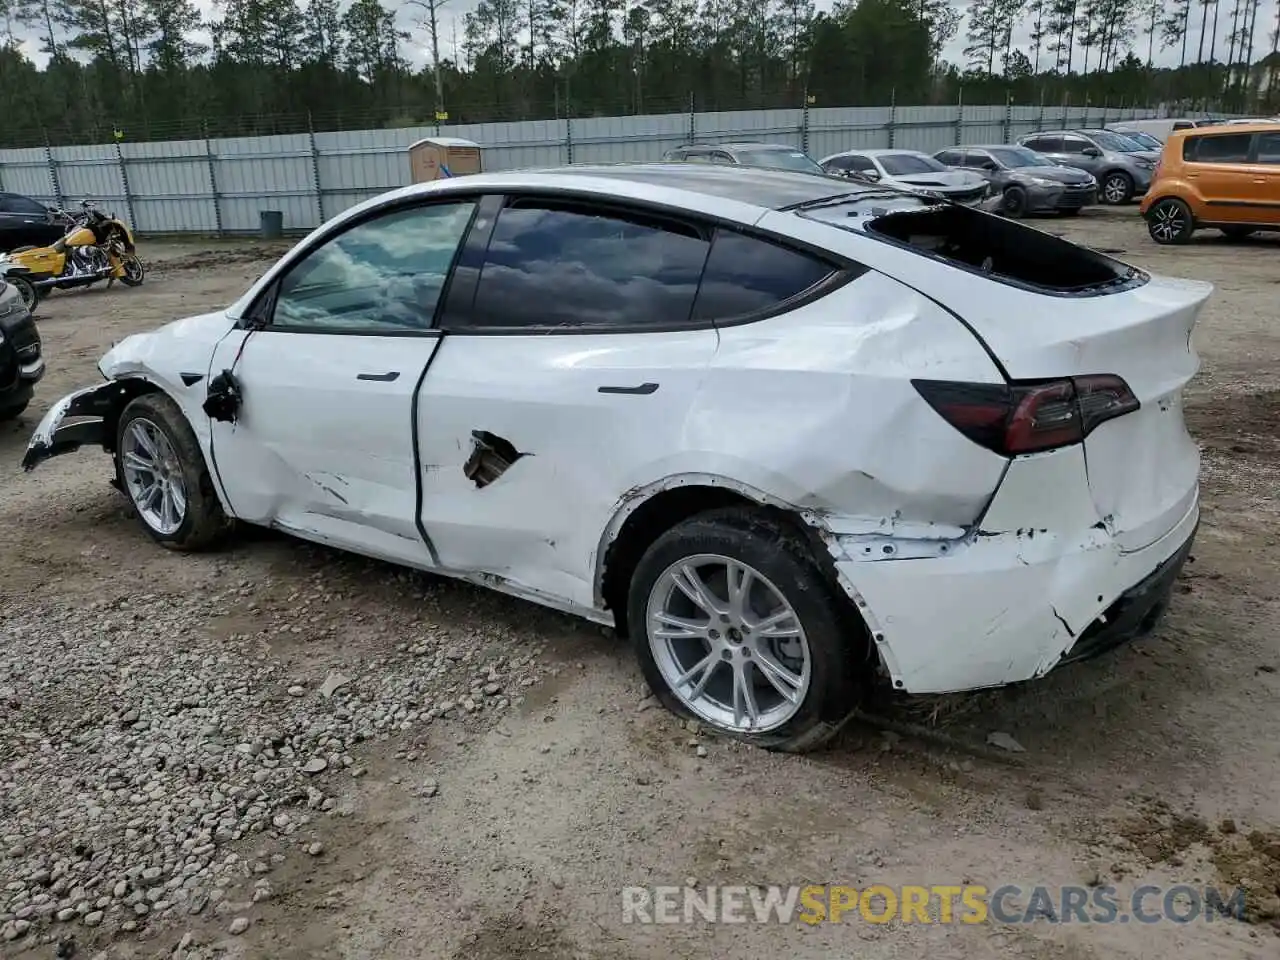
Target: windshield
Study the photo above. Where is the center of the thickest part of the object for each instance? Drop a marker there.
(1016, 157)
(1113, 141)
(779, 160)
(905, 164)
(1144, 140)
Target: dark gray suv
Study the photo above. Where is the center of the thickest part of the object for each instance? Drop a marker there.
(1123, 169)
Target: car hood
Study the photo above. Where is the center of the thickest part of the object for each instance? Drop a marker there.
(1061, 174)
(942, 180)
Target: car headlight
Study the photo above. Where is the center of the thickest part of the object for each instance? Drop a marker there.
(1044, 182)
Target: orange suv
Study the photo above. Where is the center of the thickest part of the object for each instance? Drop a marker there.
(1225, 177)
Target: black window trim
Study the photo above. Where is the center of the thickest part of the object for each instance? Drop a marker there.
(455, 319)
(261, 310)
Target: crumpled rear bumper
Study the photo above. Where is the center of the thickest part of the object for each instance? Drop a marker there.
(78, 418)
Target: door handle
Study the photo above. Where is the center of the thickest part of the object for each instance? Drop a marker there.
(642, 390)
(380, 377)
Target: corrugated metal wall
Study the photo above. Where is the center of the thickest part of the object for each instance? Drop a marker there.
(220, 186)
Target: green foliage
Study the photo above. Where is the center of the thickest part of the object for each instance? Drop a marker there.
(285, 66)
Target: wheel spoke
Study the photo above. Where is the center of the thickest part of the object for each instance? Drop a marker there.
(770, 627)
(745, 711)
(783, 680)
(690, 583)
(145, 441)
(703, 670)
(739, 579)
(687, 629)
(132, 459)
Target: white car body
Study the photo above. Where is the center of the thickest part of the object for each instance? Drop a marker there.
(963, 186)
(970, 568)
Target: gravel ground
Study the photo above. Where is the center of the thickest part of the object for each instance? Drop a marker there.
(280, 751)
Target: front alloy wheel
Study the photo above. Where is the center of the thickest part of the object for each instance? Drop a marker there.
(153, 477)
(160, 467)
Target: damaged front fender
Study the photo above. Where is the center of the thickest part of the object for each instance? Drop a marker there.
(78, 418)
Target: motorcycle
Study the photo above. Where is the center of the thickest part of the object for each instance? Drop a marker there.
(96, 247)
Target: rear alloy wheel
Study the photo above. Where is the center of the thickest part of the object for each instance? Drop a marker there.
(1238, 233)
(1014, 202)
(1170, 221)
(133, 271)
(162, 471)
(735, 626)
(1117, 188)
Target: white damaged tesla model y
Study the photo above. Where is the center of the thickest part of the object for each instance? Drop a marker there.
(791, 435)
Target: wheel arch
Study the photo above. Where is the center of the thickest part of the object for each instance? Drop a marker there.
(646, 512)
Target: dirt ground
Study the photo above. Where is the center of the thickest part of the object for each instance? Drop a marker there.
(1158, 764)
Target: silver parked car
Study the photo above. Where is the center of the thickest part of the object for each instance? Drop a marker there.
(909, 170)
(1123, 169)
(771, 156)
(1025, 181)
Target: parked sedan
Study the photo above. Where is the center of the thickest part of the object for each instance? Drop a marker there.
(909, 170)
(772, 156)
(25, 222)
(1025, 181)
(792, 436)
(1122, 168)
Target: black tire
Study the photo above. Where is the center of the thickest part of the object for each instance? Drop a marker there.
(1117, 188)
(27, 291)
(13, 413)
(1169, 221)
(839, 654)
(1238, 233)
(204, 522)
(133, 263)
(1014, 202)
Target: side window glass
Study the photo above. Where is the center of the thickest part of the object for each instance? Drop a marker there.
(1269, 148)
(1227, 148)
(26, 207)
(745, 275)
(860, 163)
(382, 276)
(951, 158)
(721, 157)
(571, 265)
(1074, 145)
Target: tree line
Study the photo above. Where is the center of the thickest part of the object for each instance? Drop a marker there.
(141, 70)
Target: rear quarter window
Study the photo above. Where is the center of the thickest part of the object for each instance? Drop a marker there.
(1218, 148)
(747, 275)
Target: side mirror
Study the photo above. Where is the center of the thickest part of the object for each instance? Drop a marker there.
(990, 166)
(1092, 152)
(869, 174)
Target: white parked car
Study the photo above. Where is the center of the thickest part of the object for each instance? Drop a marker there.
(909, 170)
(790, 435)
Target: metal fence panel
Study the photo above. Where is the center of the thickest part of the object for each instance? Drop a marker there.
(221, 186)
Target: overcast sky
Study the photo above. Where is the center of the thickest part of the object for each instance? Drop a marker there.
(418, 49)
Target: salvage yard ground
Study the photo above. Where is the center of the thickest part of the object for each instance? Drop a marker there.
(491, 775)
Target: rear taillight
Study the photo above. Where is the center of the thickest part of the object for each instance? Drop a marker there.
(1027, 417)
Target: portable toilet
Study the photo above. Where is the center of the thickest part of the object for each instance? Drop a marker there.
(437, 158)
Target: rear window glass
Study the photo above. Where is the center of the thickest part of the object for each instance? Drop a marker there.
(746, 275)
(1220, 148)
